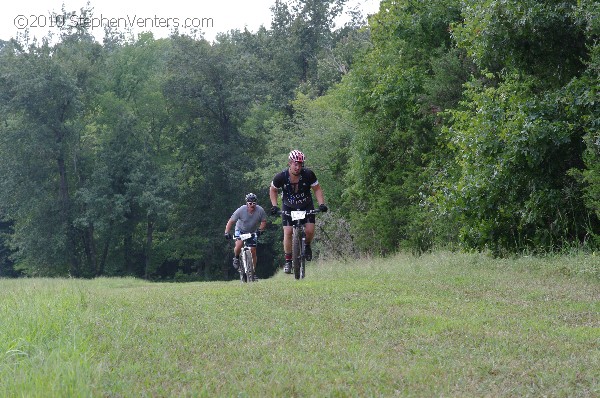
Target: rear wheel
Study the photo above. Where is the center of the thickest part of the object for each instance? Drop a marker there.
(297, 252)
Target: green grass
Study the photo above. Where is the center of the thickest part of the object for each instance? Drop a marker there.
(437, 325)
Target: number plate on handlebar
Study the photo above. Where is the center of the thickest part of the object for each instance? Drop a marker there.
(245, 236)
(298, 215)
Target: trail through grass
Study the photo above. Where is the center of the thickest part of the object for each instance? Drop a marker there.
(437, 325)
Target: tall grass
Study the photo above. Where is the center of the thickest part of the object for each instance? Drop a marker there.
(437, 325)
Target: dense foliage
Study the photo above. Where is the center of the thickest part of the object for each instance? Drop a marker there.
(466, 123)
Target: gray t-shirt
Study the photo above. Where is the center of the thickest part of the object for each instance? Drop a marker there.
(246, 222)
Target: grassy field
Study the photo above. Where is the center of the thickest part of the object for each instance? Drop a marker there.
(437, 325)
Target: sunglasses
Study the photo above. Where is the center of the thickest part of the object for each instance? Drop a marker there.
(251, 203)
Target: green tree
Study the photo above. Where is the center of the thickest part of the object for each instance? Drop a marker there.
(396, 105)
(514, 149)
(582, 102)
(131, 183)
(303, 35)
(544, 39)
(211, 89)
(516, 136)
(44, 88)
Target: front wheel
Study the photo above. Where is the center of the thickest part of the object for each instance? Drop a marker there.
(297, 255)
(242, 269)
(248, 266)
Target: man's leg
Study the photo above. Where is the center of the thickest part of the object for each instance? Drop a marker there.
(309, 228)
(237, 249)
(287, 239)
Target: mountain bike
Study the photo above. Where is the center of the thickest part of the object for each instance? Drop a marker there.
(299, 240)
(246, 267)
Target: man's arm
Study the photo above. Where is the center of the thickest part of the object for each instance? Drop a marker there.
(229, 225)
(273, 195)
(319, 193)
(263, 225)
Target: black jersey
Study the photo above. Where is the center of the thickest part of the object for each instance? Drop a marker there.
(296, 196)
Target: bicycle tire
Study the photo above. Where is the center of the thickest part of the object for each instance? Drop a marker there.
(297, 251)
(302, 267)
(242, 270)
(249, 266)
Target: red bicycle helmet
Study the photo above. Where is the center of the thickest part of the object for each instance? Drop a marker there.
(297, 156)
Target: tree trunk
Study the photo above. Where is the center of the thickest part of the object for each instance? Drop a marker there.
(128, 253)
(149, 234)
(90, 250)
(64, 201)
(102, 265)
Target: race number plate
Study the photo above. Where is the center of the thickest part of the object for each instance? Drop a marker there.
(298, 215)
(245, 236)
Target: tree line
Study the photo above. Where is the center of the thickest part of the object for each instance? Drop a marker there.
(465, 124)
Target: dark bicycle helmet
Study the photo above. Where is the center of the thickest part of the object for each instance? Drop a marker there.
(251, 197)
(297, 156)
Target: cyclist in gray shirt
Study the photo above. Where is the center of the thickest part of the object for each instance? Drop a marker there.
(249, 218)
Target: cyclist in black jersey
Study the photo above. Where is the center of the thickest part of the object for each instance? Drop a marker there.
(296, 183)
